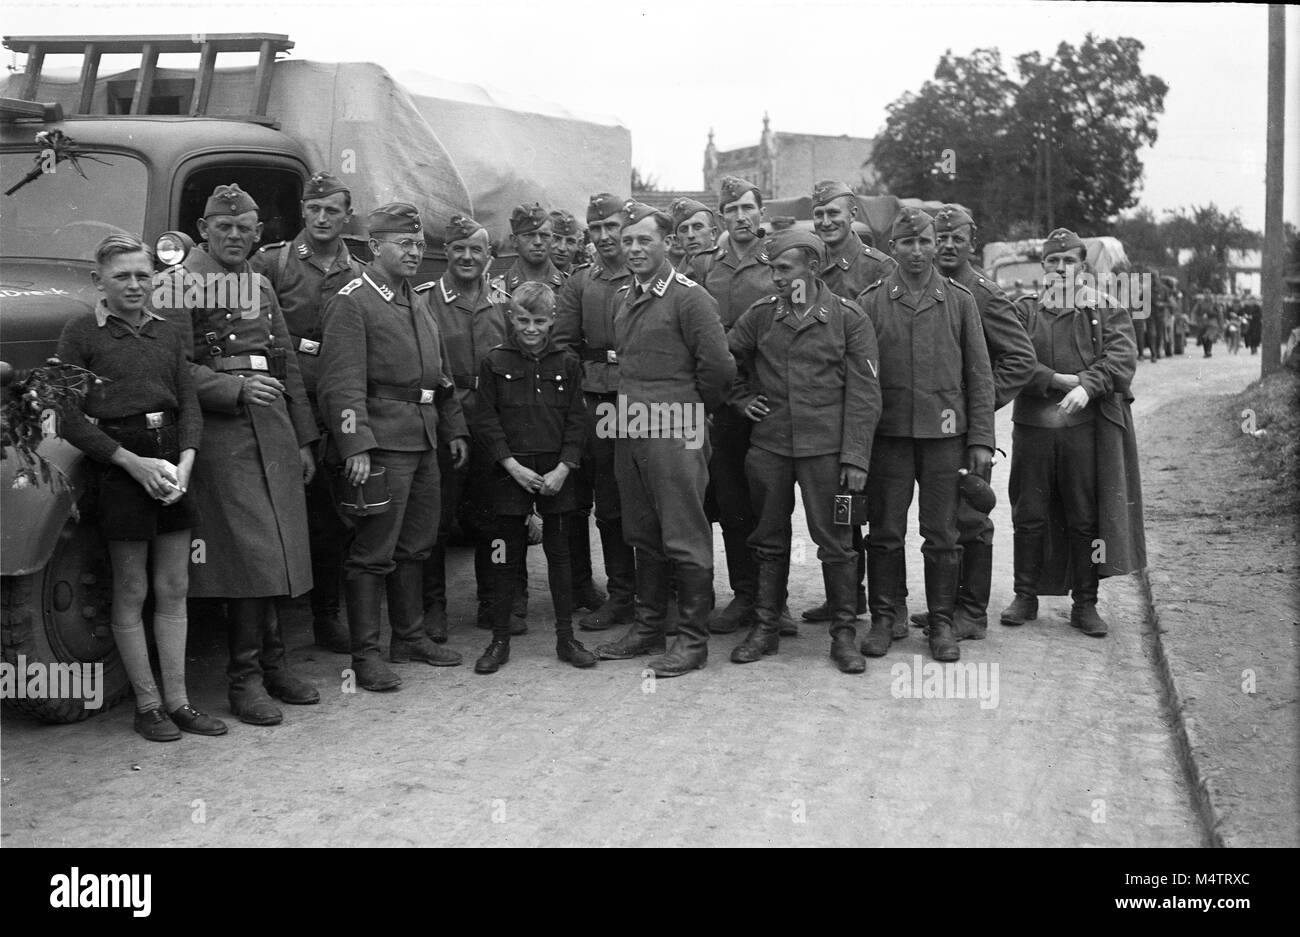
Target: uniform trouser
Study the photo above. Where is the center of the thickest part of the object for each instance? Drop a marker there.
(772, 479)
(599, 462)
(508, 531)
(407, 530)
(729, 492)
(326, 534)
(897, 465)
(1054, 464)
(661, 486)
(1156, 337)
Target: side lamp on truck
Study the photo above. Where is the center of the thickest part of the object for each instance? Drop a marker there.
(172, 248)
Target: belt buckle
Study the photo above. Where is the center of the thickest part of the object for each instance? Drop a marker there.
(611, 356)
(308, 347)
(153, 420)
(257, 362)
(426, 396)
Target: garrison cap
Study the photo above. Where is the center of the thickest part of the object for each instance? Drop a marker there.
(790, 238)
(394, 218)
(781, 222)
(563, 223)
(1062, 239)
(682, 208)
(525, 219)
(733, 188)
(909, 223)
(461, 227)
(828, 189)
(602, 206)
(635, 211)
(228, 200)
(951, 217)
(322, 184)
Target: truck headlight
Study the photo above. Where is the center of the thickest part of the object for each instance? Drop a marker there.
(172, 247)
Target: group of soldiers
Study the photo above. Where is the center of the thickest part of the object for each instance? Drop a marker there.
(820, 360)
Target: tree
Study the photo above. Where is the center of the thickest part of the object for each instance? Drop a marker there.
(1210, 235)
(640, 183)
(1056, 146)
(1144, 240)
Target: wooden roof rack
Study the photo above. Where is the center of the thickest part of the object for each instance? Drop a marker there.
(207, 45)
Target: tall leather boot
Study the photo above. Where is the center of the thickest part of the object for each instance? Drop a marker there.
(742, 571)
(646, 635)
(690, 649)
(620, 579)
(1083, 591)
(884, 572)
(841, 592)
(327, 627)
(971, 619)
(941, 576)
(279, 681)
(585, 593)
(900, 598)
(405, 585)
(823, 612)
(435, 593)
(362, 596)
(248, 697)
(1028, 550)
(765, 633)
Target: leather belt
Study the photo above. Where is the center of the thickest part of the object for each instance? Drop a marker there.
(423, 395)
(607, 355)
(306, 346)
(155, 420)
(240, 363)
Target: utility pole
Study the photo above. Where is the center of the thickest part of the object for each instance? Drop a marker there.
(1272, 265)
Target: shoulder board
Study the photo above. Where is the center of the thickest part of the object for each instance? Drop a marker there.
(964, 289)
(576, 267)
(352, 285)
(873, 253)
(271, 247)
(765, 300)
(425, 287)
(683, 279)
(872, 286)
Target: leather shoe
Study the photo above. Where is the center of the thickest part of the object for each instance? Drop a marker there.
(289, 689)
(374, 675)
(154, 725)
(610, 613)
(588, 597)
(1086, 619)
(1023, 608)
(572, 652)
(424, 650)
(844, 651)
(189, 719)
(253, 706)
(497, 654)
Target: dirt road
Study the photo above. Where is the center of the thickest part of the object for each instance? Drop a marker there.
(1061, 740)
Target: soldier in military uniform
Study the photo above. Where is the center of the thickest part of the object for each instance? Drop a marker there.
(1076, 497)
(1012, 359)
(850, 266)
(566, 241)
(936, 418)
(671, 350)
(584, 323)
(387, 399)
(471, 319)
(305, 272)
(530, 237)
(807, 362)
(257, 454)
(695, 229)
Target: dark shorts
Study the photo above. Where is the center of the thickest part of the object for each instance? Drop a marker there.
(123, 509)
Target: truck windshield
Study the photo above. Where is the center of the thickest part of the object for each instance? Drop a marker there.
(62, 216)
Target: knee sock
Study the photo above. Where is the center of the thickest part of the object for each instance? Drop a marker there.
(169, 632)
(134, 649)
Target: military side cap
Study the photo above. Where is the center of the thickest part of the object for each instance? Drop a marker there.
(1062, 239)
(637, 211)
(950, 218)
(395, 218)
(828, 189)
(781, 222)
(228, 200)
(790, 238)
(563, 223)
(461, 227)
(525, 219)
(732, 189)
(977, 492)
(909, 223)
(602, 206)
(322, 184)
(682, 208)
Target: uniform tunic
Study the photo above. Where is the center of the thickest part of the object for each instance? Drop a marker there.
(854, 267)
(247, 485)
(517, 276)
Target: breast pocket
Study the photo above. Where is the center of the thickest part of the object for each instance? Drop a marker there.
(512, 386)
(557, 389)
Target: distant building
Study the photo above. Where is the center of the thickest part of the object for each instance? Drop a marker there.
(788, 165)
(1245, 269)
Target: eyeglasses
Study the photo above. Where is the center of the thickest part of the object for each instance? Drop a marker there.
(406, 244)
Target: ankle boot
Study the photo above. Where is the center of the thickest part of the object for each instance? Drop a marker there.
(841, 587)
(496, 655)
(742, 571)
(435, 594)
(248, 697)
(765, 634)
(690, 649)
(970, 620)
(884, 572)
(279, 681)
(1083, 592)
(620, 579)
(646, 635)
(572, 651)
(408, 642)
(362, 594)
(1028, 552)
(941, 576)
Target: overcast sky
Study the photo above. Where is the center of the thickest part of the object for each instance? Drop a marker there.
(670, 70)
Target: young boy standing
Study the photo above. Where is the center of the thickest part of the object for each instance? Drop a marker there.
(528, 426)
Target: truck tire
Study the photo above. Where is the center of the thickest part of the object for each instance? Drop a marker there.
(60, 615)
